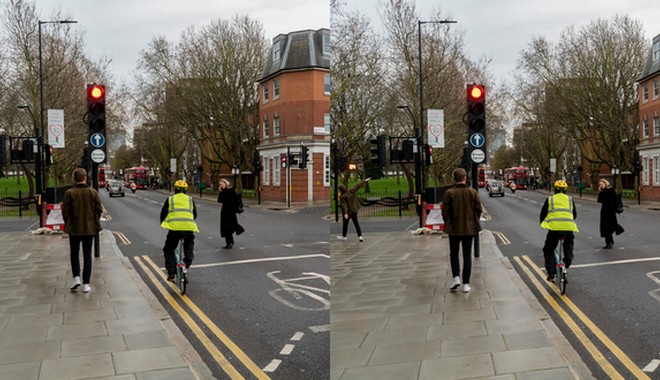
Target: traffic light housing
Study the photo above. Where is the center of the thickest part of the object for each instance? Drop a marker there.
(428, 155)
(304, 156)
(293, 160)
(283, 161)
(476, 108)
(377, 150)
(48, 153)
(96, 122)
(408, 150)
(256, 162)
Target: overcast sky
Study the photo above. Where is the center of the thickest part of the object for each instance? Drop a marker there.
(119, 29)
(500, 29)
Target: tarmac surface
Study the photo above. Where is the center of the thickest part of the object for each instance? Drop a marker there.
(392, 316)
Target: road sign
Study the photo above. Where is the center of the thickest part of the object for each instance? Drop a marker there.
(436, 127)
(477, 140)
(97, 140)
(477, 156)
(98, 156)
(56, 128)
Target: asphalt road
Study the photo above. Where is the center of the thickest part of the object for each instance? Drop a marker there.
(269, 295)
(617, 290)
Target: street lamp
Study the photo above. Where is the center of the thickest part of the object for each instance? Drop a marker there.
(419, 136)
(40, 170)
(34, 119)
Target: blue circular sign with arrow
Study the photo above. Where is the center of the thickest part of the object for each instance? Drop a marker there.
(97, 140)
(477, 140)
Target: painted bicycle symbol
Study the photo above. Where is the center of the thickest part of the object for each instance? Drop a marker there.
(299, 292)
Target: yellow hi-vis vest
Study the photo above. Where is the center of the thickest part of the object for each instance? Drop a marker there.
(560, 214)
(180, 214)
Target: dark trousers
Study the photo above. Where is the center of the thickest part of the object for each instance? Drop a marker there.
(229, 239)
(551, 242)
(171, 242)
(74, 243)
(351, 216)
(455, 243)
(609, 239)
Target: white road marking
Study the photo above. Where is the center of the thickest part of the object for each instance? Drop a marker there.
(288, 348)
(616, 262)
(652, 366)
(655, 276)
(297, 336)
(265, 259)
(272, 366)
(287, 245)
(321, 328)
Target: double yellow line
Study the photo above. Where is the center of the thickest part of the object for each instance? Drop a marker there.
(529, 267)
(153, 272)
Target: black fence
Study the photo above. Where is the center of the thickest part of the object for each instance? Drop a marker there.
(17, 203)
(386, 204)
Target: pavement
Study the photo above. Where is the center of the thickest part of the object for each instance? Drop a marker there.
(117, 331)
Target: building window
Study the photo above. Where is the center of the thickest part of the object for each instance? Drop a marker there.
(277, 170)
(645, 93)
(656, 89)
(276, 89)
(276, 51)
(326, 84)
(656, 51)
(326, 44)
(656, 126)
(276, 125)
(645, 172)
(266, 127)
(266, 173)
(645, 127)
(326, 123)
(326, 170)
(656, 171)
(265, 92)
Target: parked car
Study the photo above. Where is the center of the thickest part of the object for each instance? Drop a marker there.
(115, 188)
(495, 188)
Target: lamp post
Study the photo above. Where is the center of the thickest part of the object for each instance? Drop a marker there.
(40, 170)
(419, 136)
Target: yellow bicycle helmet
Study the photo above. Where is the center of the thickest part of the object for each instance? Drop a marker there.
(181, 184)
(561, 184)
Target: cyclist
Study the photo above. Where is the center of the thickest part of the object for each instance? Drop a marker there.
(558, 216)
(178, 216)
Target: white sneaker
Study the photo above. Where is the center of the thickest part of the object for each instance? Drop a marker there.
(342, 238)
(86, 288)
(76, 283)
(466, 288)
(361, 239)
(456, 283)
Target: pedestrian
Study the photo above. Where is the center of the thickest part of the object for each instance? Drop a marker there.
(81, 210)
(350, 204)
(558, 216)
(228, 216)
(178, 216)
(461, 210)
(609, 201)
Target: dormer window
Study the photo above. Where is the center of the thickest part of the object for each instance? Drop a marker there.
(656, 51)
(326, 44)
(276, 51)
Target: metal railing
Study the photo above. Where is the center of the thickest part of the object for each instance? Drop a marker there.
(386, 204)
(16, 203)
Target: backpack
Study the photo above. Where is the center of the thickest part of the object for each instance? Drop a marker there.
(619, 203)
(239, 203)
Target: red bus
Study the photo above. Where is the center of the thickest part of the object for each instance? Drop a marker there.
(139, 175)
(516, 175)
(482, 177)
(102, 179)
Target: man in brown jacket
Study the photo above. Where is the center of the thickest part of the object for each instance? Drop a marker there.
(461, 210)
(81, 210)
(350, 205)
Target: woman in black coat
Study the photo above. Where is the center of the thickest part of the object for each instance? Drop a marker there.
(228, 216)
(609, 201)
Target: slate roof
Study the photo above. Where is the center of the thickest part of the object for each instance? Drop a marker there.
(650, 68)
(298, 50)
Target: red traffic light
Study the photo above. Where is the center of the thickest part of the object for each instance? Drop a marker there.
(476, 92)
(95, 91)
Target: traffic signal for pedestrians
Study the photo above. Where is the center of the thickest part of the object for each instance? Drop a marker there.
(377, 150)
(304, 156)
(408, 150)
(48, 153)
(256, 162)
(428, 154)
(293, 160)
(476, 108)
(283, 160)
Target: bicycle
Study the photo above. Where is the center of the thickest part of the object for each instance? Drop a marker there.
(181, 279)
(561, 277)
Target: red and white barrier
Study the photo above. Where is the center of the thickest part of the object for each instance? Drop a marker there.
(434, 219)
(54, 220)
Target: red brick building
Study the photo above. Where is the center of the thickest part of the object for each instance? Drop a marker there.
(649, 124)
(295, 111)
